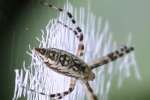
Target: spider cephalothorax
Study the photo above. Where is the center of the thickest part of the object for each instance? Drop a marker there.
(72, 65)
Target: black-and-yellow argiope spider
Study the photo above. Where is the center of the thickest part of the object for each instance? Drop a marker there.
(72, 65)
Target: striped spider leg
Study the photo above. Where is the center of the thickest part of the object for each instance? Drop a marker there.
(77, 31)
(111, 57)
(102, 61)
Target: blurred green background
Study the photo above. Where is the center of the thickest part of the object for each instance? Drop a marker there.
(21, 21)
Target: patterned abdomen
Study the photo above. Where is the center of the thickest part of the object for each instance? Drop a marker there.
(65, 63)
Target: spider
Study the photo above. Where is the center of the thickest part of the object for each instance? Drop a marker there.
(72, 65)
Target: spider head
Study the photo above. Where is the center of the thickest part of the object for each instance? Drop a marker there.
(89, 75)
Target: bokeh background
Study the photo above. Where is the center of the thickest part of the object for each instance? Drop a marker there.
(21, 21)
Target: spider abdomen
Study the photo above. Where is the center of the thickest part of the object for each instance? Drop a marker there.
(65, 63)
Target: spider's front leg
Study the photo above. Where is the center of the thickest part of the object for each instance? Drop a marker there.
(111, 57)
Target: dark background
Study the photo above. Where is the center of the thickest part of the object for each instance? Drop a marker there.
(9, 10)
(14, 41)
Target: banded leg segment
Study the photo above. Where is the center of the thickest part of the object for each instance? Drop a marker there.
(61, 95)
(89, 91)
(80, 49)
(56, 96)
(77, 31)
(111, 57)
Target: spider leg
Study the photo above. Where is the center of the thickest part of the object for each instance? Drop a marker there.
(56, 95)
(77, 31)
(89, 91)
(70, 89)
(80, 49)
(111, 57)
